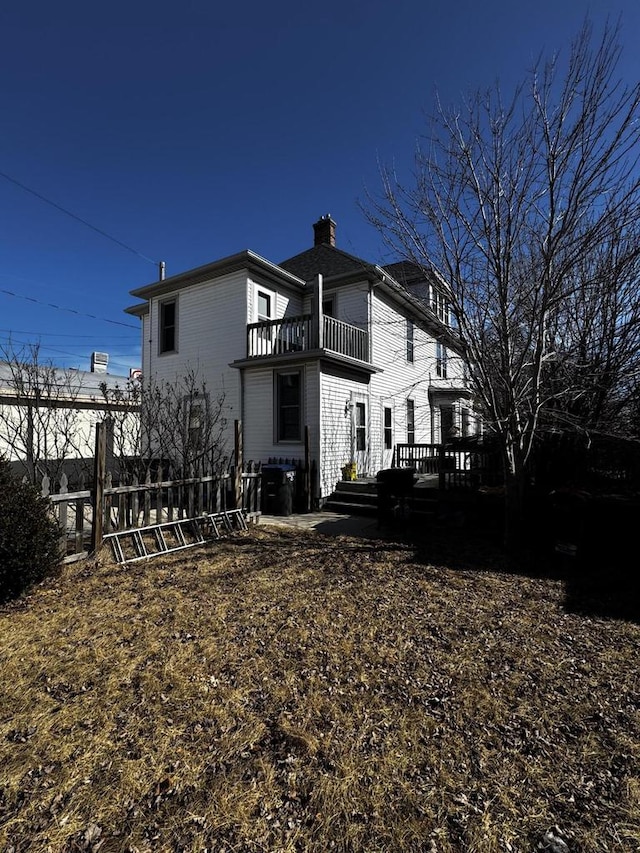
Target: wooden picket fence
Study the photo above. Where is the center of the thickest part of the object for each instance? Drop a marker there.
(157, 498)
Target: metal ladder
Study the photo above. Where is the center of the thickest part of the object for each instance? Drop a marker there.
(141, 543)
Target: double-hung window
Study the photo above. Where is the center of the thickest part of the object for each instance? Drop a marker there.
(264, 305)
(441, 360)
(411, 422)
(289, 406)
(410, 336)
(168, 326)
(388, 428)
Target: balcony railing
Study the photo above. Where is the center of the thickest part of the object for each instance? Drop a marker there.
(297, 334)
(345, 339)
(275, 337)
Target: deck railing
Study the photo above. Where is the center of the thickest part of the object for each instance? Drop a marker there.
(297, 334)
(457, 466)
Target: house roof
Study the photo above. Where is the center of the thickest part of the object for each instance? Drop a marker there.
(60, 380)
(241, 260)
(327, 260)
(408, 273)
(336, 266)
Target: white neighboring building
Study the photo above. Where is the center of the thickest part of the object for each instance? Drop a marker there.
(323, 340)
(48, 416)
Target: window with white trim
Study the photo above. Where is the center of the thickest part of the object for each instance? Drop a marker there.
(264, 305)
(361, 426)
(288, 388)
(168, 326)
(411, 422)
(388, 428)
(441, 360)
(410, 337)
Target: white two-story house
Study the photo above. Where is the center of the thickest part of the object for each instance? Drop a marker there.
(323, 351)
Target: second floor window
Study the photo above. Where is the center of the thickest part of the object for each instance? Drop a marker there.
(439, 305)
(168, 327)
(328, 306)
(264, 305)
(441, 361)
(410, 331)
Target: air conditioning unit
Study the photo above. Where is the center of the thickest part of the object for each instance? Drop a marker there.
(99, 362)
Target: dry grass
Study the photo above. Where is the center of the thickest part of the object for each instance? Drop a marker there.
(292, 692)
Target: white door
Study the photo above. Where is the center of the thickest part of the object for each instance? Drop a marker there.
(360, 434)
(387, 431)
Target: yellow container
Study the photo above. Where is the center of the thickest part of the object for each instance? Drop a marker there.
(350, 471)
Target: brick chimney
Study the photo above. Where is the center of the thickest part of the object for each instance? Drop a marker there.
(324, 231)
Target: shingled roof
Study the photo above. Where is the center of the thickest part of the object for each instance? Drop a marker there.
(327, 260)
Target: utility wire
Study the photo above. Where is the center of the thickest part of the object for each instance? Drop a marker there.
(77, 218)
(68, 310)
(62, 335)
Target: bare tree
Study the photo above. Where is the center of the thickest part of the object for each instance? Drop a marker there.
(180, 422)
(39, 418)
(514, 206)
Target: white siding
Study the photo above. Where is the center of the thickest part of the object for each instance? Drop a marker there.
(211, 320)
(259, 414)
(336, 432)
(400, 379)
(284, 304)
(352, 304)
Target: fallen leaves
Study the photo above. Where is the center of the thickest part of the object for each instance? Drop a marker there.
(290, 692)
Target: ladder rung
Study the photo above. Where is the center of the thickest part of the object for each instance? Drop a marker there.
(186, 531)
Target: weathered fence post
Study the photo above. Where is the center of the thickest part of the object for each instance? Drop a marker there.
(62, 514)
(99, 472)
(237, 484)
(307, 472)
(442, 477)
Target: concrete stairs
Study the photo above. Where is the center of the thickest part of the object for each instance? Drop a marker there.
(354, 497)
(360, 497)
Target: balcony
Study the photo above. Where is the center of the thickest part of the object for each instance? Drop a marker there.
(302, 334)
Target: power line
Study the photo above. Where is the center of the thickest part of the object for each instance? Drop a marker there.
(47, 348)
(64, 335)
(68, 310)
(77, 218)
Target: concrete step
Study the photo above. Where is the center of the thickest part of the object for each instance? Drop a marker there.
(360, 486)
(351, 508)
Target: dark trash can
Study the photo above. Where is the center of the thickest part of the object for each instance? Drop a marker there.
(569, 517)
(395, 488)
(278, 489)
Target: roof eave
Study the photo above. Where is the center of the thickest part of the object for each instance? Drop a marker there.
(242, 260)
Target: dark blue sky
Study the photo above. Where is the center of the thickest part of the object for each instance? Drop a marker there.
(189, 131)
